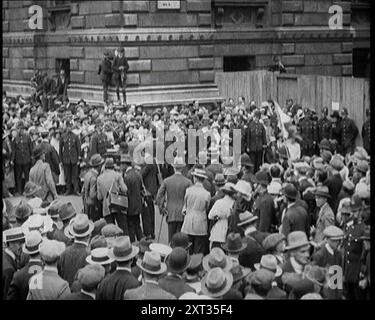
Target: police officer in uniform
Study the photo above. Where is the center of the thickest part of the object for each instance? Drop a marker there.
(366, 132)
(324, 126)
(256, 141)
(349, 132)
(99, 141)
(22, 147)
(307, 131)
(70, 148)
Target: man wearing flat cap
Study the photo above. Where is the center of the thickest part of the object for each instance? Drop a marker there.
(105, 72)
(120, 68)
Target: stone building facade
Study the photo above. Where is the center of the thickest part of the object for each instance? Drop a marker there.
(176, 47)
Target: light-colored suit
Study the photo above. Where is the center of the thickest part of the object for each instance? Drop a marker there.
(47, 285)
(326, 218)
(148, 291)
(174, 189)
(41, 175)
(104, 183)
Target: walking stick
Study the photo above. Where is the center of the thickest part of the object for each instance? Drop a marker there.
(161, 223)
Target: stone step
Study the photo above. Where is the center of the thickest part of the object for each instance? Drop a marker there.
(149, 96)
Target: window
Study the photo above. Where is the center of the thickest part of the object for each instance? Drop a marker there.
(239, 63)
(62, 64)
(361, 62)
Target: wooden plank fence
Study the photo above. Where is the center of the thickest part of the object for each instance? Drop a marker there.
(313, 91)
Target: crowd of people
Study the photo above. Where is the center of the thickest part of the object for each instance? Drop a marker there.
(290, 220)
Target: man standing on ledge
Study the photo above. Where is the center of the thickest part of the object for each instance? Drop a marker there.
(120, 68)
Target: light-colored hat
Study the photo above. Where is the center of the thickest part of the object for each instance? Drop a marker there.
(80, 226)
(99, 256)
(38, 222)
(362, 190)
(244, 188)
(50, 250)
(199, 173)
(297, 239)
(179, 162)
(217, 258)
(152, 264)
(90, 276)
(269, 262)
(32, 242)
(122, 249)
(333, 233)
(193, 296)
(216, 283)
(13, 234)
(274, 188)
(246, 218)
(162, 249)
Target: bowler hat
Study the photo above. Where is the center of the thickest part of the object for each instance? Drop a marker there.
(297, 239)
(234, 243)
(99, 256)
(178, 260)
(325, 145)
(90, 276)
(322, 191)
(180, 239)
(261, 177)
(66, 211)
(151, 263)
(23, 211)
(32, 241)
(122, 249)
(96, 160)
(80, 226)
(216, 282)
(216, 258)
(290, 191)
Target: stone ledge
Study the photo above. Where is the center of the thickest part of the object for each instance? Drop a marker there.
(294, 60)
(347, 47)
(292, 6)
(198, 5)
(206, 50)
(287, 19)
(77, 76)
(201, 63)
(206, 76)
(77, 22)
(140, 65)
(342, 58)
(27, 74)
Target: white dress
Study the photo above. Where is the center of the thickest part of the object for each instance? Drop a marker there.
(222, 210)
(294, 150)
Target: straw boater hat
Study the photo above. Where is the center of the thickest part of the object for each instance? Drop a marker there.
(99, 256)
(151, 263)
(13, 234)
(122, 249)
(50, 250)
(162, 249)
(199, 173)
(43, 224)
(80, 226)
(322, 191)
(216, 282)
(32, 242)
(246, 218)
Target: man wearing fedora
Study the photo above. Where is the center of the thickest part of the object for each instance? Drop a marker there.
(70, 148)
(247, 169)
(152, 269)
(66, 213)
(47, 284)
(105, 72)
(22, 213)
(196, 203)
(89, 278)
(298, 250)
(109, 178)
(177, 262)
(326, 217)
(22, 147)
(294, 216)
(74, 257)
(13, 239)
(89, 190)
(19, 287)
(116, 284)
(216, 283)
(172, 191)
(133, 182)
(41, 175)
